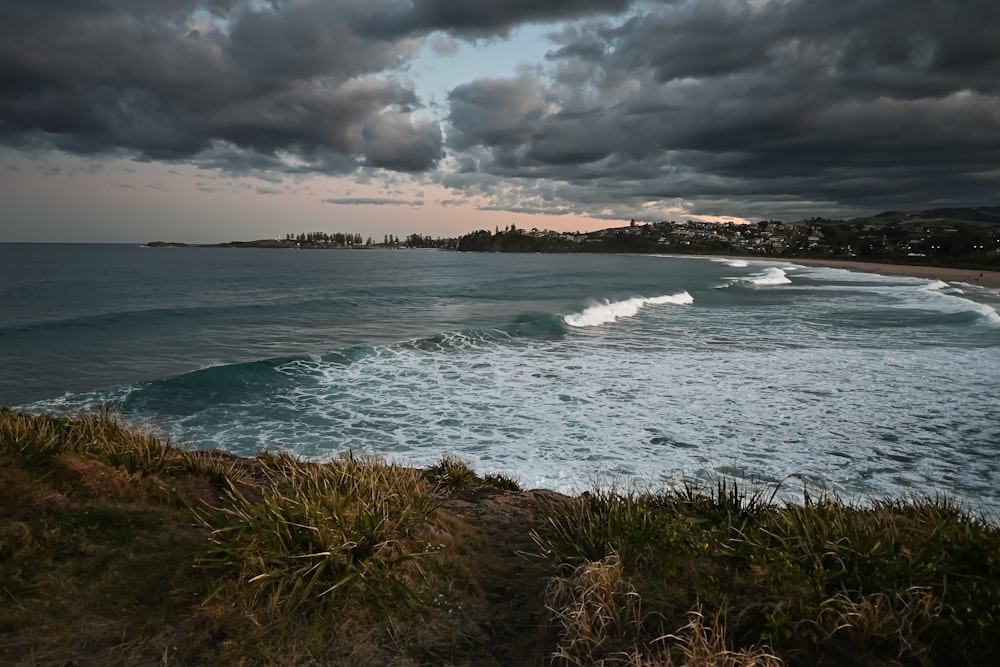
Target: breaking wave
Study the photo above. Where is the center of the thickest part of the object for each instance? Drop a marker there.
(610, 311)
(963, 304)
(732, 263)
(771, 276)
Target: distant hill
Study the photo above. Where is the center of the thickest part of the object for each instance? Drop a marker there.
(989, 215)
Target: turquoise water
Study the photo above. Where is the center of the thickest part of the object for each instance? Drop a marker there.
(557, 369)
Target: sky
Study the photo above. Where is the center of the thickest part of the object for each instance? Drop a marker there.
(215, 120)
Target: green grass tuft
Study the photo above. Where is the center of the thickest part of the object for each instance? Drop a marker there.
(453, 474)
(314, 534)
(504, 482)
(101, 436)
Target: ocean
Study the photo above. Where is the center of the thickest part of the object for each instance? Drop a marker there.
(560, 370)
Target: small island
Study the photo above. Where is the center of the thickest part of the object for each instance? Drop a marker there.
(166, 244)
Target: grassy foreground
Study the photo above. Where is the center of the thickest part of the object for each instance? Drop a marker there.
(117, 549)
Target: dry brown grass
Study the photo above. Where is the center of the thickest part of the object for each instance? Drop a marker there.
(601, 623)
(599, 614)
(699, 645)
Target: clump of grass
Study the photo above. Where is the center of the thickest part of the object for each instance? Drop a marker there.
(699, 645)
(601, 622)
(311, 534)
(915, 580)
(599, 614)
(101, 436)
(96, 455)
(453, 474)
(502, 481)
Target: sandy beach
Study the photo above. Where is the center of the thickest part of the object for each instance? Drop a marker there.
(946, 274)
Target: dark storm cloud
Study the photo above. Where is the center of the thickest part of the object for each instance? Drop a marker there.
(496, 112)
(237, 85)
(768, 107)
(745, 107)
(397, 141)
(473, 18)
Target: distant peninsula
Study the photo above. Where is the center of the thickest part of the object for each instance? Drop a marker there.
(963, 238)
(262, 243)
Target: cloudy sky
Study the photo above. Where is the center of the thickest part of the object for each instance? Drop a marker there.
(211, 120)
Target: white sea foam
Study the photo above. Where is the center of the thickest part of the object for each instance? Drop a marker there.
(937, 296)
(734, 263)
(771, 276)
(989, 313)
(826, 273)
(908, 291)
(561, 413)
(978, 290)
(610, 311)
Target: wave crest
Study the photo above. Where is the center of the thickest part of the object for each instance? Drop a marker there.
(771, 276)
(732, 263)
(610, 311)
(968, 305)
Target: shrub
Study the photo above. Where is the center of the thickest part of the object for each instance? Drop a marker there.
(312, 533)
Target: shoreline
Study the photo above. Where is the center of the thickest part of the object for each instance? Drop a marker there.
(989, 279)
(976, 277)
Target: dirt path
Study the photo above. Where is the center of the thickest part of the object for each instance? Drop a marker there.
(512, 580)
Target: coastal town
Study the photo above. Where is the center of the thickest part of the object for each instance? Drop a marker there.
(968, 237)
(897, 236)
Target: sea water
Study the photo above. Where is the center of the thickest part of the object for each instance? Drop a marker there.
(560, 370)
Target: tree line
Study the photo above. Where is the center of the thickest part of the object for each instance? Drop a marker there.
(323, 238)
(342, 240)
